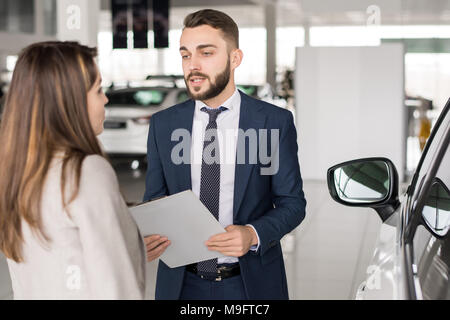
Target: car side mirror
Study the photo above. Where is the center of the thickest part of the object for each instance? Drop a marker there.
(369, 182)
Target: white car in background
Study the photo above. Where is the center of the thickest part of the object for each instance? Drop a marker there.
(130, 107)
(263, 92)
(128, 115)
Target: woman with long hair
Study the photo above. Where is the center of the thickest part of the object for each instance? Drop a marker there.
(64, 227)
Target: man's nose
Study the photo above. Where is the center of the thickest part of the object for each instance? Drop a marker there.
(194, 63)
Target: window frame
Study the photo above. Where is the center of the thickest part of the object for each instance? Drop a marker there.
(434, 164)
(416, 201)
(133, 91)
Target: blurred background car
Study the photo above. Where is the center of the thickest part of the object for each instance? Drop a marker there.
(131, 106)
(128, 114)
(263, 92)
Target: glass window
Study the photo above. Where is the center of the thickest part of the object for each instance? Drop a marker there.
(249, 90)
(50, 17)
(26, 11)
(432, 253)
(182, 96)
(288, 39)
(432, 256)
(436, 211)
(19, 15)
(144, 97)
(435, 143)
(3, 15)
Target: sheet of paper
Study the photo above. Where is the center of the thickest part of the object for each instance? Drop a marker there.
(185, 221)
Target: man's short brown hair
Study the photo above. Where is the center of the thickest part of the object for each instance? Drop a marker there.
(217, 20)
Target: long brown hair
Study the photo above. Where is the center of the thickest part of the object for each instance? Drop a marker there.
(45, 113)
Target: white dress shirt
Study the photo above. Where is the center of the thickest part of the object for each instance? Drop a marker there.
(227, 129)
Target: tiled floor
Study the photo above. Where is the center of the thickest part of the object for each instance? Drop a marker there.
(326, 256)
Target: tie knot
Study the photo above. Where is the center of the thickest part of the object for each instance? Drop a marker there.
(213, 113)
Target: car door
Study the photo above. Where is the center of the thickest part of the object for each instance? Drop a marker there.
(427, 219)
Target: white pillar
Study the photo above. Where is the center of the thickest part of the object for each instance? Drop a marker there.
(13, 17)
(161, 61)
(306, 26)
(39, 18)
(270, 15)
(77, 20)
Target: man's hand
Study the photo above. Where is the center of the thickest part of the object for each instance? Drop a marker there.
(156, 245)
(235, 242)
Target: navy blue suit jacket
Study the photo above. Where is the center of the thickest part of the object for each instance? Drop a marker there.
(273, 204)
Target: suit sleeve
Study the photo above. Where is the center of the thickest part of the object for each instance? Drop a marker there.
(113, 252)
(287, 192)
(155, 184)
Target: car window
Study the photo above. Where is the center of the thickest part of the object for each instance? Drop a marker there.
(436, 211)
(182, 96)
(432, 253)
(427, 157)
(432, 257)
(143, 97)
(250, 90)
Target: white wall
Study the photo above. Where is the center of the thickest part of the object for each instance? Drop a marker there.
(12, 43)
(349, 103)
(78, 21)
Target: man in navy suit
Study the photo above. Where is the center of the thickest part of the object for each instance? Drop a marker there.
(249, 180)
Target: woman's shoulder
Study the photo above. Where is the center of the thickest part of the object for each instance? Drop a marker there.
(96, 162)
(96, 169)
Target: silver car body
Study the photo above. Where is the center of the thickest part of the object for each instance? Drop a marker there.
(410, 260)
(384, 280)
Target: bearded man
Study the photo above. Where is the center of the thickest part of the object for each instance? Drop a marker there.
(255, 207)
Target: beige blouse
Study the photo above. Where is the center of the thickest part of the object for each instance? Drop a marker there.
(95, 253)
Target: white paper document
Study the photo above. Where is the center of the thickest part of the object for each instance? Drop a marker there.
(185, 221)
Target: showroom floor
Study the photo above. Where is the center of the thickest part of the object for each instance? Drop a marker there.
(326, 256)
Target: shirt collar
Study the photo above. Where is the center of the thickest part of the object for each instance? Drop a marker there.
(230, 103)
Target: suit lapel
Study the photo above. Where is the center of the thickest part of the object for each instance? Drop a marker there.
(250, 117)
(182, 119)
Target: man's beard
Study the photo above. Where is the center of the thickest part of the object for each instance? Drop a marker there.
(220, 83)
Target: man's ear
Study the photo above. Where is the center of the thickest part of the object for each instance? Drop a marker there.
(236, 57)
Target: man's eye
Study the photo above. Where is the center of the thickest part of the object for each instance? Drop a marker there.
(207, 53)
(184, 56)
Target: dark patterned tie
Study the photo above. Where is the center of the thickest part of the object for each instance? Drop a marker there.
(210, 177)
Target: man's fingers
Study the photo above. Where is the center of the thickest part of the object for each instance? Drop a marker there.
(151, 238)
(153, 244)
(157, 244)
(225, 243)
(223, 236)
(156, 252)
(231, 227)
